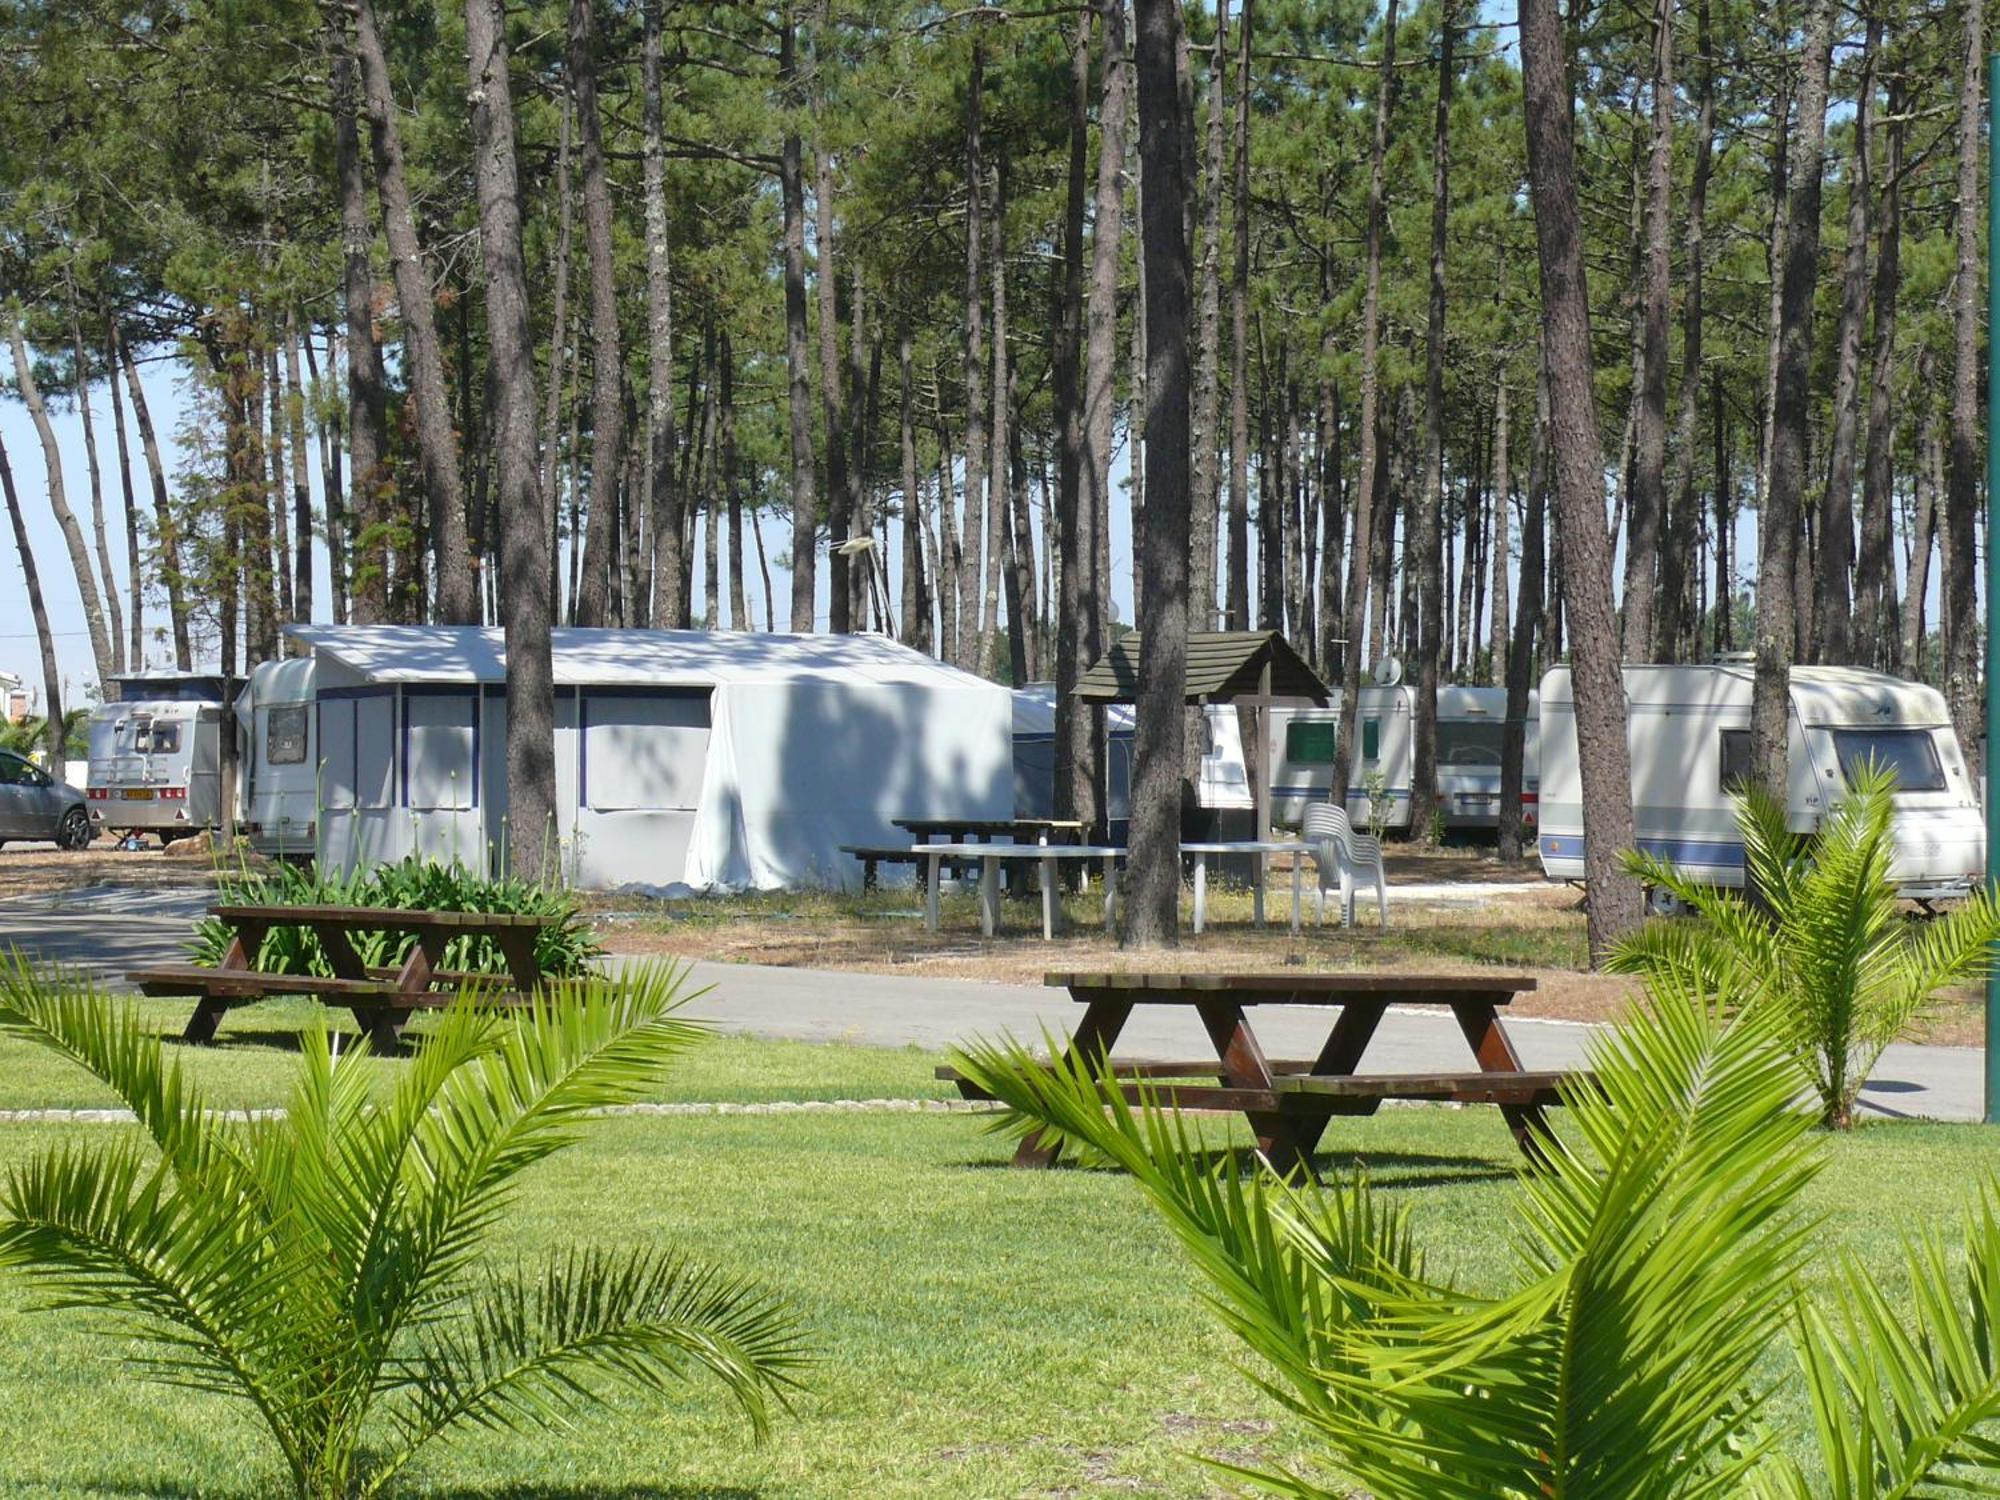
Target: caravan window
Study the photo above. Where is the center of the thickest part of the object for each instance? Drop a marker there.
(1734, 762)
(165, 738)
(1910, 753)
(1469, 742)
(285, 735)
(1371, 739)
(1310, 742)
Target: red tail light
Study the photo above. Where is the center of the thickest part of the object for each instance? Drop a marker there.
(173, 794)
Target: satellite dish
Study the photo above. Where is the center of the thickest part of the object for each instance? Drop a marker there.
(1387, 672)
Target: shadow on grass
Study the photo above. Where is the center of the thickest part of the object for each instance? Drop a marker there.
(141, 1488)
(1386, 1171)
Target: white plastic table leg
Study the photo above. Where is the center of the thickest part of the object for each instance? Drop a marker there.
(1257, 889)
(1200, 890)
(931, 892)
(1050, 910)
(989, 895)
(1110, 891)
(1298, 891)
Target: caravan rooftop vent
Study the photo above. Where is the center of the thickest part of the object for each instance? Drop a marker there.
(1734, 658)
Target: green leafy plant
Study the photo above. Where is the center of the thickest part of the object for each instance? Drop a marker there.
(1376, 785)
(564, 949)
(1658, 1252)
(325, 1265)
(1827, 942)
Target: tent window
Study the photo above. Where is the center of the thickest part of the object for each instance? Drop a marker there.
(336, 746)
(1371, 740)
(438, 768)
(374, 751)
(1910, 753)
(1469, 742)
(1311, 742)
(1733, 773)
(644, 751)
(285, 735)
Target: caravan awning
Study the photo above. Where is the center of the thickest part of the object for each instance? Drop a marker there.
(1222, 666)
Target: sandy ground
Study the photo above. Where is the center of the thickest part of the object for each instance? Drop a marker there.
(42, 869)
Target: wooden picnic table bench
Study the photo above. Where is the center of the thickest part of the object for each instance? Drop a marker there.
(987, 830)
(1289, 1102)
(382, 999)
(872, 856)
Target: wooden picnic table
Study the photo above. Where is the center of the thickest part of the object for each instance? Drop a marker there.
(1289, 1102)
(381, 999)
(990, 857)
(988, 830)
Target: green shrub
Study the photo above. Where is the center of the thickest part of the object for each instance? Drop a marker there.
(564, 948)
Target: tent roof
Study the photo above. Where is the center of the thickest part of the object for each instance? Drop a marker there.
(1221, 665)
(634, 658)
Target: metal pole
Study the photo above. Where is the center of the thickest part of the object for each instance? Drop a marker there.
(1992, 576)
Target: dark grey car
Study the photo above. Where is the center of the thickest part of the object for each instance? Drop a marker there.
(34, 805)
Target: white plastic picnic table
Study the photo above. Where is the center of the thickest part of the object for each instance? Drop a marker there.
(1259, 848)
(991, 856)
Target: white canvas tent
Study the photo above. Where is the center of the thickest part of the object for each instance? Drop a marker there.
(683, 758)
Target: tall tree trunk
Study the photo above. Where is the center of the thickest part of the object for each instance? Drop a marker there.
(1725, 523)
(864, 374)
(1101, 350)
(1649, 468)
(1153, 914)
(670, 603)
(1208, 357)
(331, 486)
(974, 620)
(115, 626)
(1135, 433)
(1876, 622)
(1521, 649)
(1782, 509)
(1360, 556)
(52, 697)
(166, 533)
(1000, 487)
(1430, 504)
(915, 617)
(437, 443)
(277, 510)
(1837, 642)
(1923, 540)
(136, 577)
(1077, 642)
(302, 516)
(556, 408)
(1683, 524)
(370, 475)
(1238, 612)
(951, 575)
(531, 765)
(739, 608)
(805, 503)
(607, 363)
(1578, 470)
(1963, 645)
(839, 487)
(1332, 512)
(1497, 638)
(79, 556)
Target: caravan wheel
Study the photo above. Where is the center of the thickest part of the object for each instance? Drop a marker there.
(1661, 902)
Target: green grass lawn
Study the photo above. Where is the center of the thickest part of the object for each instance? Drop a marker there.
(982, 1332)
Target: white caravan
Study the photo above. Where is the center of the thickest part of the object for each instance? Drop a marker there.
(278, 769)
(156, 755)
(1689, 729)
(1470, 724)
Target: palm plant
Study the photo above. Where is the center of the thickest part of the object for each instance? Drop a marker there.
(325, 1265)
(1657, 1258)
(1826, 941)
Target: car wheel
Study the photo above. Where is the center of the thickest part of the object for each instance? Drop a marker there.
(74, 831)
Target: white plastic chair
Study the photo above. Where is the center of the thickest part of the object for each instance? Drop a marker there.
(1346, 859)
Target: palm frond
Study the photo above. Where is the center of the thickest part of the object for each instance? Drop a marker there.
(533, 1354)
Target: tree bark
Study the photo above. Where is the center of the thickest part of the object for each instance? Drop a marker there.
(1208, 359)
(437, 443)
(805, 504)
(1332, 511)
(1101, 351)
(277, 510)
(1923, 539)
(115, 625)
(136, 649)
(739, 607)
(302, 516)
(1238, 611)
(1000, 487)
(1521, 649)
(975, 608)
(1361, 555)
(79, 556)
(1649, 468)
(531, 768)
(54, 727)
(1153, 912)
(1837, 642)
(1962, 624)
(332, 488)
(166, 532)
(1876, 623)
(1503, 512)
(1782, 510)
(915, 620)
(951, 545)
(553, 411)
(1077, 641)
(670, 603)
(839, 487)
(370, 476)
(607, 363)
(1578, 468)
(1430, 505)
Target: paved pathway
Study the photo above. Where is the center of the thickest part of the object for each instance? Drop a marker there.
(891, 1010)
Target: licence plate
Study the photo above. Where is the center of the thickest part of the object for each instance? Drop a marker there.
(137, 794)
(1478, 799)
